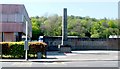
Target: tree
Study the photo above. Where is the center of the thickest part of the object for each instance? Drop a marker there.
(95, 35)
(35, 28)
(77, 26)
(51, 26)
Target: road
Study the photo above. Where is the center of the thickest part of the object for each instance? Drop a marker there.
(74, 59)
(62, 64)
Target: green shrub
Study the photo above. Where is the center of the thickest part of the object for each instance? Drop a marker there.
(5, 48)
(16, 49)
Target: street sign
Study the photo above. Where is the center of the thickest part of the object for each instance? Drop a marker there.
(26, 47)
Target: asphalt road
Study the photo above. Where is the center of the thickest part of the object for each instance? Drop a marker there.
(74, 59)
(62, 64)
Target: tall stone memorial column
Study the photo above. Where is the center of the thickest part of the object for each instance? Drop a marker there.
(64, 47)
(64, 27)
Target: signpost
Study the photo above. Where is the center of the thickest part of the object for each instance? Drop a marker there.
(26, 42)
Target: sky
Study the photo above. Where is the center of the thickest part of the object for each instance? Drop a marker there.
(91, 8)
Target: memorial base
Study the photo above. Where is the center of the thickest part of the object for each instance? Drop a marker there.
(64, 49)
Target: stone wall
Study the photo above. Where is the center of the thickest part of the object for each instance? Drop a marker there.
(84, 43)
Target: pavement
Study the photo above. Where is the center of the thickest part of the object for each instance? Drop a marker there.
(74, 59)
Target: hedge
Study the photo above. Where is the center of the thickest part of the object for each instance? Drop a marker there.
(16, 49)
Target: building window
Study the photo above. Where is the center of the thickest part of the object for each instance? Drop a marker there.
(4, 18)
(18, 18)
(11, 18)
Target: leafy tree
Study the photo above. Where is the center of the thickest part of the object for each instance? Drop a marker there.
(95, 35)
(77, 26)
